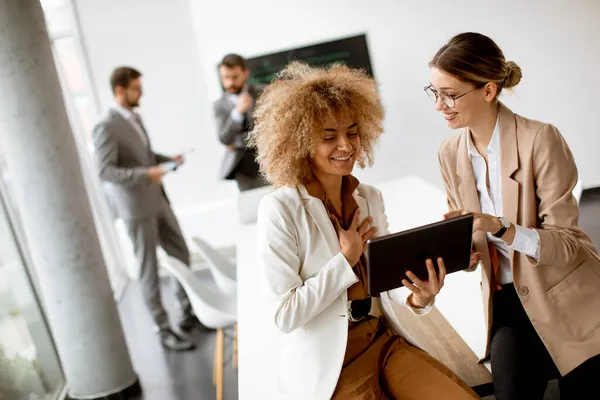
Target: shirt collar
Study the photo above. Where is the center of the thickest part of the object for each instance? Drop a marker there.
(233, 98)
(127, 114)
(315, 189)
(493, 146)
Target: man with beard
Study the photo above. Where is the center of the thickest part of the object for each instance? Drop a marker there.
(133, 174)
(233, 113)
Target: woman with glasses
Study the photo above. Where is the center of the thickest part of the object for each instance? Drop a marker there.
(540, 271)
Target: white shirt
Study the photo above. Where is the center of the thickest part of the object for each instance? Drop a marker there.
(526, 241)
(133, 120)
(235, 114)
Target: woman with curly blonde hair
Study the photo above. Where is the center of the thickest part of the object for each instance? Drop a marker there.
(312, 125)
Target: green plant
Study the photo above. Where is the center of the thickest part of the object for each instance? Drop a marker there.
(18, 380)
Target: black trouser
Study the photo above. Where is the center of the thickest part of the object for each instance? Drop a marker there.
(521, 365)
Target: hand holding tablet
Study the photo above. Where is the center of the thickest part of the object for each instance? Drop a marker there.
(389, 257)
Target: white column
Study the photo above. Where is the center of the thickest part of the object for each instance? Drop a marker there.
(48, 186)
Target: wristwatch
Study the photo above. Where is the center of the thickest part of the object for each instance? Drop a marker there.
(504, 225)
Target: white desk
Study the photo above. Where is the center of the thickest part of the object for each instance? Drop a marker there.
(412, 202)
(256, 360)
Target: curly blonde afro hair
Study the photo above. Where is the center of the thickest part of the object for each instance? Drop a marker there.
(293, 108)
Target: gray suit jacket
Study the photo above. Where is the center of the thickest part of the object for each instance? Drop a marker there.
(123, 160)
(233, 132)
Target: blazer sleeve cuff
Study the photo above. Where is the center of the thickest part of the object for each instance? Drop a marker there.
(526, 241)
(347, 275)
(545, 257)
(236, 116)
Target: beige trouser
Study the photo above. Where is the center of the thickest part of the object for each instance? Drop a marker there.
(391, 368)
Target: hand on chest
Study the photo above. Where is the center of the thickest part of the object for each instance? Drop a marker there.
(322, 242)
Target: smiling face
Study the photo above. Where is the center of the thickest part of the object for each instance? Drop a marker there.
(472, 101)
(338, 144)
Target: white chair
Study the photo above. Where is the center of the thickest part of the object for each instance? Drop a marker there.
(223, 271)
(213, 308)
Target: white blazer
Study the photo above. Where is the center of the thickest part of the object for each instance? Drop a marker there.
(307, 279)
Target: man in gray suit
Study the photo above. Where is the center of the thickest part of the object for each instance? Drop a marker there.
(233, 113)
(134, 174)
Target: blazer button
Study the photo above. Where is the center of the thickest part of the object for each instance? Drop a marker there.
(523, 290)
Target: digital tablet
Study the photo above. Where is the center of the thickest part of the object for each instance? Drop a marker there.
(390, 256)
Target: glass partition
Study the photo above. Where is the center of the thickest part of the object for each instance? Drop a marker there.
(29, 365)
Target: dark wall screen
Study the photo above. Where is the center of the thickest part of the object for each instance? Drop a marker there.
(351, 51)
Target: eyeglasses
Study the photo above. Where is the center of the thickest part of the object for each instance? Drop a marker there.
(448, 99)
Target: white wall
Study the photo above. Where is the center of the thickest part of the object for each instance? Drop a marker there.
(555, 43)
(157, 37)
(177, 45)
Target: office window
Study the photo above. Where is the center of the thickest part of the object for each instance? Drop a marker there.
(29, 365)
(71, 65)
(83, 110)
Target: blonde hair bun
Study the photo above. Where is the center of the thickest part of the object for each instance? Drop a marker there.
(513, 75)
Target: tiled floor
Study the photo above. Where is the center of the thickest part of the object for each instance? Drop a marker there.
(188, 376)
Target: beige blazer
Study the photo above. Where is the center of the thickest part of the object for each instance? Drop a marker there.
(307, 276)
(561, 291)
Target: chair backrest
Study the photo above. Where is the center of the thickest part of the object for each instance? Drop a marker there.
(212, 307)
(248, 202)
(223, 271)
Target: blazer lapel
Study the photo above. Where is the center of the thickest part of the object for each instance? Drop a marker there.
(470, 201)
(226, 104)
(317, 211)
(467, 188)
(362, 205)
(509, 163)
(144, 131)
(126, 125)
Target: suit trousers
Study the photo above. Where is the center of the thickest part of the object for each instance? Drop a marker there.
(146, 234)
(521, 364)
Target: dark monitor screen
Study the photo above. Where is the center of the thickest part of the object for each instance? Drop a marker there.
(351, 51)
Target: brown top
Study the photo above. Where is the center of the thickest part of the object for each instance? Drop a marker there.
(362, 333)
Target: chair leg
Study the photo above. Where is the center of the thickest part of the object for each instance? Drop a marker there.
(220, 359)
(235, 346)
(215, 361)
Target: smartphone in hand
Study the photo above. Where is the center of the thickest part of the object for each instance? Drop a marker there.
(168, 166)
